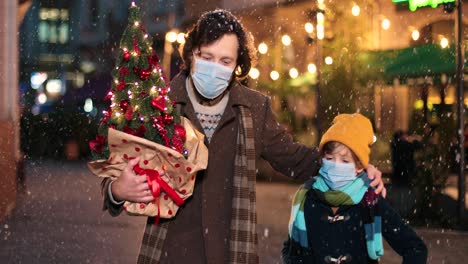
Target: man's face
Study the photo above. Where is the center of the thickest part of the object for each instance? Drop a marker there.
(223, 51)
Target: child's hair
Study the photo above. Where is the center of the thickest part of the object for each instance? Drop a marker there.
(330, 146)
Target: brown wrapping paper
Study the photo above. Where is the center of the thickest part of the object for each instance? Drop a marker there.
(179, 172)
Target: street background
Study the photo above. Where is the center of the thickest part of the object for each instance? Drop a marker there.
(400, 66)
(59, 220)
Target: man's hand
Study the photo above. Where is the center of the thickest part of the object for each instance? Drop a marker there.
(131, 187)
(376, 180)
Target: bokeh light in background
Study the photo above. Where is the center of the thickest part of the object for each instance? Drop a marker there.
(274, 75)
(263, 48)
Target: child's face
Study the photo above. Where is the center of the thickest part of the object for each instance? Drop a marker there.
(342, 154)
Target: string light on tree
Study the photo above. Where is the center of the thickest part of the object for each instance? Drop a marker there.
(328, 60)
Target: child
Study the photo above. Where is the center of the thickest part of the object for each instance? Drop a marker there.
(336, 217)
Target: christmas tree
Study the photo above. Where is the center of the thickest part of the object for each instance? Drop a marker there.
(141, 123)
(139, 104)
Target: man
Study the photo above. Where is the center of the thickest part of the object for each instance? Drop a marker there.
(217, 224)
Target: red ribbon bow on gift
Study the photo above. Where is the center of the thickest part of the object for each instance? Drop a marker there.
(156, 183)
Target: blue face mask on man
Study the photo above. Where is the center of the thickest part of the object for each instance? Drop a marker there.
(337, 175)
(210, 79)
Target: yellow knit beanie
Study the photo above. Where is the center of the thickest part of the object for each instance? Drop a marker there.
(353, 130)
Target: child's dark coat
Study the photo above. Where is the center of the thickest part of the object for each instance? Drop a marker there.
(343, 237)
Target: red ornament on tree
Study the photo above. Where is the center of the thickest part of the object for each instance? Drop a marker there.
(108, 95)
(180, 131)
(177, 144)
(124, 71)
(107, 115)
(121, 85)
(144, 74)
(162, 91)
(159, 103)
(167, 119)
(135, 47)
(129, 113)
(126, 56)
(124, 105)
(158, 123)
(153, 60)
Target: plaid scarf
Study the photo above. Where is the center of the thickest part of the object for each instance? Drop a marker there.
(243, 241)
(152, 242)
(243, 244)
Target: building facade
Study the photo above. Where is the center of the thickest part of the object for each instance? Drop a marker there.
(432, 92)
(10, 15)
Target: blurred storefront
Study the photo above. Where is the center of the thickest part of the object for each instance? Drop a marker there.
(412, 45)
(417, 59)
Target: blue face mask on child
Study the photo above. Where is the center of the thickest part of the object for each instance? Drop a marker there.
(336, 175)
(210, 79)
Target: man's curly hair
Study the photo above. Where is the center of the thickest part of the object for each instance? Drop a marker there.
(210, 27)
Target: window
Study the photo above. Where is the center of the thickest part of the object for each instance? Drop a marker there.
(54, 25)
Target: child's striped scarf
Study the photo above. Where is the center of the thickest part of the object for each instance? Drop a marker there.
(350, 194)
